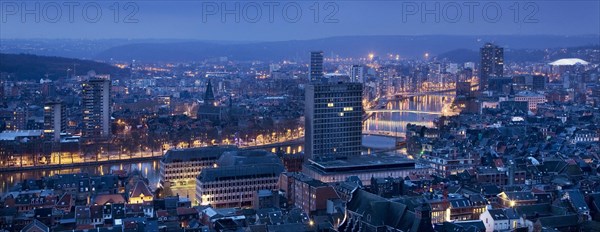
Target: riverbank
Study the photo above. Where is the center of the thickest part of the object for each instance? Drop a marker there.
(81, 164)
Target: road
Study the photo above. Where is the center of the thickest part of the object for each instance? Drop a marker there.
(130, 158)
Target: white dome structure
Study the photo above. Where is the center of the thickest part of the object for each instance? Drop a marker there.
(569, 62)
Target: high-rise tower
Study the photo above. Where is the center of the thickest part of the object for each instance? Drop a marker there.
(55, 121)
(357, 73)
(96, 109)
(492, 64)
(333, 120)
(316, 66)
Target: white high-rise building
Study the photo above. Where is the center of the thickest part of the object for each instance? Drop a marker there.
(315, 70)
(357, 73)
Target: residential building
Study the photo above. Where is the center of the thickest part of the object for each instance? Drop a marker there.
(446, 163)
(96, 109)
(491, 65)
(315, 71)
(512, 199)
(357, 73)
(532, 99)
(306, 193)
(501, 220)
(55, 121)
(140, 193)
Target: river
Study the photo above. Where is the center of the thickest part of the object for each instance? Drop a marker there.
(394, 123)
(386, 123)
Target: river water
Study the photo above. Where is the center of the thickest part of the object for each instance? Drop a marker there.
(383, 123)
(394, 123)
(149, 169)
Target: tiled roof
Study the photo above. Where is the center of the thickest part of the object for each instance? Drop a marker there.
(103, 199)
(139, 189)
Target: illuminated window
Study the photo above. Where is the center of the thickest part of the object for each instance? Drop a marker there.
(348, 109)
(330, 104)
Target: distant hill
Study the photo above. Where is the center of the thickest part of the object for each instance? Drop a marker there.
(346, 46)
(33, 67)
(460, 55)
(173, 50)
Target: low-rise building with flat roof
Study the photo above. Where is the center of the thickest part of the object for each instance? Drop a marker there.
(180, 167)
(235, 186)
(364, 167)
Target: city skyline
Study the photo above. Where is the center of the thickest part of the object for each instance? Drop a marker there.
(484, 116)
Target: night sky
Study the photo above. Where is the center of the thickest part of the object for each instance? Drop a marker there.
(202, 20)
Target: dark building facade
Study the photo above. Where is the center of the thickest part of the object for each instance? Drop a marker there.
(369, 212)
(209, 110)
(463, 88)
(499, 84)
(529, 82)
(55, 121)
(492, 64)
(96, 109)
(333, 120)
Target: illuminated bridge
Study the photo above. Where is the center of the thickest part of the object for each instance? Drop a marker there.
(402, 111)
(415, 94)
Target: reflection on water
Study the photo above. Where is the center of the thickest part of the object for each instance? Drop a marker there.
(149, 169)
(390, 122)
(395, 122)
(378, 142)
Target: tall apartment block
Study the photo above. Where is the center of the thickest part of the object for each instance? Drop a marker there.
(492, 64)
(96, 109)
(316, 66)
(55, 121)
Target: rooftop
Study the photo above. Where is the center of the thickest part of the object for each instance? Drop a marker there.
(245, 157)
(240, 172)
(12, 135)
(362, 163)
(196, 154)
(569, 61)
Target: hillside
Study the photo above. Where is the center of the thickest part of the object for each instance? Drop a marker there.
(345, 46)
(32, 67)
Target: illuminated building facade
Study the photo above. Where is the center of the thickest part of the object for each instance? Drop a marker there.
(532, 99)
(180, 167)
(235, 186)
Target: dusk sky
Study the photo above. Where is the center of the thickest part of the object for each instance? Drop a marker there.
(202, 20)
